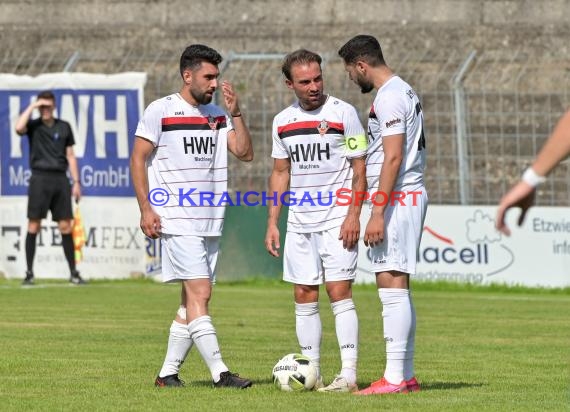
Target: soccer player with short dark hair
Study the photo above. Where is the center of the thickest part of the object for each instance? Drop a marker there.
(181, 146)
(395, 163)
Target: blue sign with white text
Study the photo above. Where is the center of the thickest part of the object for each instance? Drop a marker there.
(103, 121)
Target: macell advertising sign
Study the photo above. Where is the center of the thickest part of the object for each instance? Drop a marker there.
(103, 111)
(460, 244)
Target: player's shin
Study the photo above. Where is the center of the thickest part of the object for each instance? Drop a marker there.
(204, 336)
(309, 331)
(179, 344)
(397, 320)
(410, 347)
(346, 323)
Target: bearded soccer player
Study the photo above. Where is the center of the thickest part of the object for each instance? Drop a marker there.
(318, 148)
(395, 163)
(180, 151)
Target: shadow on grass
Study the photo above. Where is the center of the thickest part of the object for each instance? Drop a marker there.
(439, 386)
(208, 384)
(426, 386)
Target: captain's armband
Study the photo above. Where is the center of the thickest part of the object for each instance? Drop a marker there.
(356, 143)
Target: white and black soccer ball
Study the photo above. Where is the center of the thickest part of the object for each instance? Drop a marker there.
(294, 372)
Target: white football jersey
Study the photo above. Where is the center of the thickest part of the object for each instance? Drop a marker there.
(396, 110)
(188, 171)
(319, 144)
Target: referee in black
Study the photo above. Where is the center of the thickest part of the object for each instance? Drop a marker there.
(51, 154)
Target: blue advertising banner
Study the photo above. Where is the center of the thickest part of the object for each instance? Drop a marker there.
(103, 111)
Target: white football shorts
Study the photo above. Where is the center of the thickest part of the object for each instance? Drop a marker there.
(318, 257)
(189, 257)
(402, 235)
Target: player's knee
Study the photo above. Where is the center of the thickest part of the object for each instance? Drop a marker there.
(339, 291)
(34, 226)
(64, 227)
(306, 293)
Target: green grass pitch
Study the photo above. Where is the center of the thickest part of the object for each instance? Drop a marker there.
(99, 347)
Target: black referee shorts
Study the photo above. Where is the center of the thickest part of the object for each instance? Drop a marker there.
(49, 191)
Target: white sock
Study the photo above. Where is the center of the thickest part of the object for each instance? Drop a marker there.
(410, 347)
(203, 334)
(397, 319)
(346, 323)
(309, 331)
(179, 344)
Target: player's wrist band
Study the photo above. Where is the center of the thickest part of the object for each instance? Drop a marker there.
(236, 115)
(531, 178)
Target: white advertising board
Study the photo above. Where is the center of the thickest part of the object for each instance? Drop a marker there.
(115, 245)
(460, 243)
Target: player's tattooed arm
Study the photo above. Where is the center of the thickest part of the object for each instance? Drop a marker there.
(350, 229)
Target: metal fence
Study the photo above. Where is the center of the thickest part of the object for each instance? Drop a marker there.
(486, 113)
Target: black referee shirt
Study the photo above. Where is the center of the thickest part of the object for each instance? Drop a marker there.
(48, 145)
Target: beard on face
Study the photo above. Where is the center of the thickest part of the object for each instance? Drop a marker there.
(366, 86)
(201, 97)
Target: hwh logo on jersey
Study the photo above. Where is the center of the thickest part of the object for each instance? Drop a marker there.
(308, 152)
(199, 145)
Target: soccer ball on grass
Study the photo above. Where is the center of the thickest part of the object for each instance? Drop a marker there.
(294, 372)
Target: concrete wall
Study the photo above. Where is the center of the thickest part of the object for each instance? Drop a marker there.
(111, 27)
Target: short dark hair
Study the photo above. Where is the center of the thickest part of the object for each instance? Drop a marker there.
(301, 56)
(47, 94)
(195, 54)
(362, 47)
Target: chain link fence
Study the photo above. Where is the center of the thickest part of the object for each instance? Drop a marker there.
(486, 113)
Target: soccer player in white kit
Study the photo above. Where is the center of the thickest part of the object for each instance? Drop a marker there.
(394, 166)
(319, 146)
(179, 154)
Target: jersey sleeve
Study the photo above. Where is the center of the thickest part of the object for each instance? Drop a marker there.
(30, 127)
(70, 138)
(391, 111)
(355, 139)
(279, 150)
(150, 125)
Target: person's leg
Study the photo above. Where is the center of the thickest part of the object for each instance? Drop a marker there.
(179, 345)
(34, 226)
(38, 204)
(398, 254)
(198, 292)
(303, 268)
(346, 325)
(339, 272)
(65, 227)
(62, 213)
(397, 320)
(397, 323)
(308, 322)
